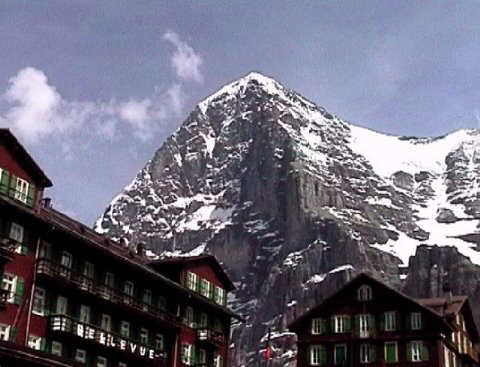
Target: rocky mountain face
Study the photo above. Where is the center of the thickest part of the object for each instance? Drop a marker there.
(294, 201)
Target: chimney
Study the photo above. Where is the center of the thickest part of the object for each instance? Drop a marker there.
(47, 203)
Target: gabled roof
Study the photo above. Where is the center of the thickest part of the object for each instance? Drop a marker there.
(359, 279)
(182, 261)
(14, 145)
(449, 307)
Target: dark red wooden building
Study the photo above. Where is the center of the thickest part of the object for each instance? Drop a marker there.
(367, 323)
(72, 297)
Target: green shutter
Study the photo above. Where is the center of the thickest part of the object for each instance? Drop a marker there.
(357, 323)
(390, 349)
(371, 322)
(4, 181)
(395, 320)
(43, 345)
(19, 290)
(348, 324)
(424, 352)
(332, 324)
(372, 353)
(323, 356)
(24, 249)
(31, 195)
(13, 185)
(193, 355)
(408, 322)
(409, 352)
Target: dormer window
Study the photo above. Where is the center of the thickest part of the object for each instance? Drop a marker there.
(364, 293)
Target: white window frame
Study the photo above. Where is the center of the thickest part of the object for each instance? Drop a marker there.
(61, 307)
(192, 280)
(5, 332)
(57, 348)
(339, 323)
(205, 287)
(128, 290)
(17, 234)
(202, 356)
(34, 342)
(385, 350)
(219, 295)
(85, 314)
(186, 355)
(106, 322)
(21, 190)
(218, 360)
(101, 361)
(364, 293)
(315, 354)
(144, 336)
(159, 342)
(416, 351)
(66, 261)
(39, 297)
(318, 326)
(365, 353)
(125, 329)
(390, 321)
(416, 320)
(203, 320)
(9, 283)
(190, 316)
(80, 355)
(364, 325)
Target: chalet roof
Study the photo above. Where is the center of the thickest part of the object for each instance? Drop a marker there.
(11, 141)
(205, 258)
(442, 305)
(359, 279)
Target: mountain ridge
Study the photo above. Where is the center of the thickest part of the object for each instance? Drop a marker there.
(293, 200)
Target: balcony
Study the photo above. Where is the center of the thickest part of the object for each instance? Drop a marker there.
(212, 337)
(66, 325)
(79, 281)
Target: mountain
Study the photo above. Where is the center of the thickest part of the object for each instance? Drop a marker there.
(293, 201)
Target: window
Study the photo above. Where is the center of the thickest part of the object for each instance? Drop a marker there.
(187, 354)
(205, 288)
(9, 283)
(340, 353)
(318, 355)
(341, 324)
(109, 284)
(219, 295)
(39, 301)
(4, 178)
(217, 325)
(147, 299)
(34, 342)
(88, 270)
(84, 314)
(21, 190)
(128, 291)
(203, 322)
(367, 353)
(122, 364)
(102, 362)
(65, 263)
(364, 293)
(106, 322)
(159, 342)
(189, 318)
(318, 326)
(143, 336)
(390, 319)
(415, 320)
(391, 352)
(366, 323)
(17, 235)
(125, 329)
(4, 332)
(218, 361)
(62, 305)
(162, 303)
(80, 355)
(45, 250)
(192, 280)
(417, 351)
(202, 356)
(56, 348)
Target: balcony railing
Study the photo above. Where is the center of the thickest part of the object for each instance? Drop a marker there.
(211, 336)
(113, 295)
(7, 247)
(68, 325)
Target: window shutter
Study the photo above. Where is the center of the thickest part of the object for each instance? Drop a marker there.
(372, 355)
(332, 324)
(24, 249)
(383, 321)
(19, 290)
(193, 355)
(371, 322)
(12, 336)
(395, 320)
(409, 352)
(43, 344)
(13, 185)
(357, 323)
(408, 321)
(4, 181)
(424, 352)
(31, 195)
(348, 324)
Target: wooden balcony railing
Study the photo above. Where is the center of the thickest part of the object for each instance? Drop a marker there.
(81, 282)
(71, 326)
(211, 336)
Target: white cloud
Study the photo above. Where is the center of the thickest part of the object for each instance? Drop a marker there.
(185, 60)
(37, 111)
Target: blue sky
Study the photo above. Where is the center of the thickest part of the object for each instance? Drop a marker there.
(92, 88)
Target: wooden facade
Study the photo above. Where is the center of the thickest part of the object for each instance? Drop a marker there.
(72, 297)
(367, 323)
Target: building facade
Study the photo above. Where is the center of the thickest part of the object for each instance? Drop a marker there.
(72, 297)
(367, 323)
